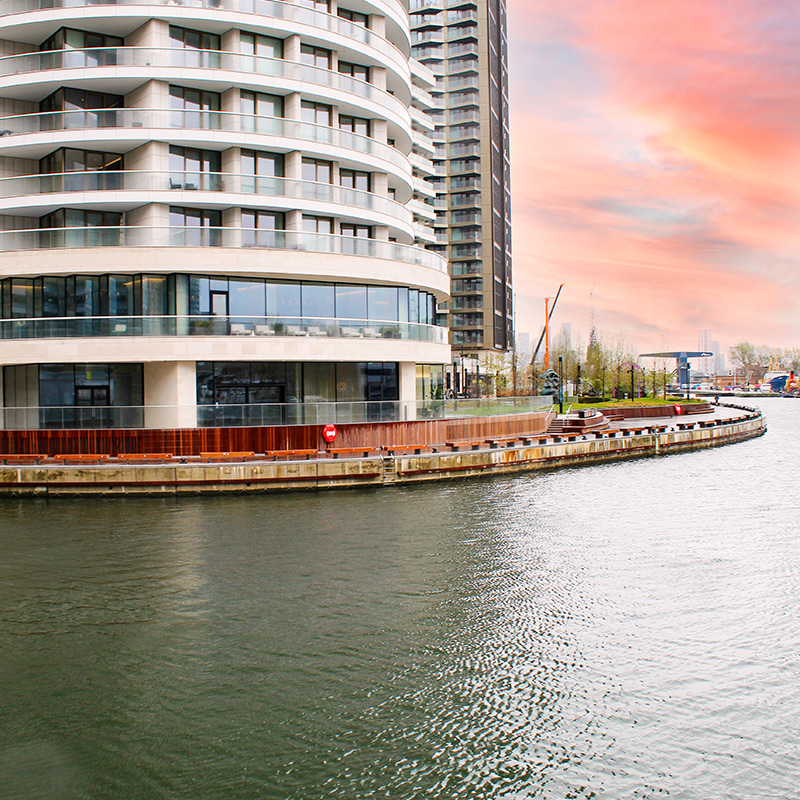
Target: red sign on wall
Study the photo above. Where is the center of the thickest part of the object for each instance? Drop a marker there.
(329, 433)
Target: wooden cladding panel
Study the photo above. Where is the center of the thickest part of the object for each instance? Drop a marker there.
(191, 441)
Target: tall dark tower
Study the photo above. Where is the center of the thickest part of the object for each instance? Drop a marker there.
(465, 45)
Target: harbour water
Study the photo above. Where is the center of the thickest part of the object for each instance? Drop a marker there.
(621, 631)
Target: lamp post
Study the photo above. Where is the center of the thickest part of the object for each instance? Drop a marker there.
(560, 384)
(632, 398)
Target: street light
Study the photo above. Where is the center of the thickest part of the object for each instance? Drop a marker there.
(560, 384)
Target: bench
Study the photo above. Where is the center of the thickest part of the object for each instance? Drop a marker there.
(337, 451)
(227, 456)
(473, 445)
(145, 457)
(5, 458)
(81, 457)
(394, 448)
(506, 440)
(276, 454)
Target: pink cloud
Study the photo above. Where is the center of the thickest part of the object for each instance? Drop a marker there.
(655, 154)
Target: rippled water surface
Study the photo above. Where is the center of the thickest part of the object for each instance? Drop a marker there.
(622, 631)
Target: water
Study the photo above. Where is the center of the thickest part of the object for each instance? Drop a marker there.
(621, 631)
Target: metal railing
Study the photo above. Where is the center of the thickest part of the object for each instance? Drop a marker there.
(145, 120)
(189, 236)
(184, 325)
(212, 415)
(170, 180)
(154, 57)
(279, 9)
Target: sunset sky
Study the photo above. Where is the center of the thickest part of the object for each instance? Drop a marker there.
(656, 156)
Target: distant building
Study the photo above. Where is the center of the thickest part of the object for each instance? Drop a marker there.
(464, 44)
(704, 344)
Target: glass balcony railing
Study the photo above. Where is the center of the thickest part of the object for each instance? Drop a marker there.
(214, 415)
(196, 236)
(145, 121)
(150, 58)
(279, 9)
(195, 325)
(145, 181)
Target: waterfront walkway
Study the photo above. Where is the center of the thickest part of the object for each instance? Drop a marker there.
(370, 465)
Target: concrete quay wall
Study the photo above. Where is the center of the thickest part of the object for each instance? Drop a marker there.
(379, 470)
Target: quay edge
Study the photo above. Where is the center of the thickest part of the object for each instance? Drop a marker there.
(549, 452)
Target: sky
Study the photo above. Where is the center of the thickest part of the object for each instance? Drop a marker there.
(655, 151)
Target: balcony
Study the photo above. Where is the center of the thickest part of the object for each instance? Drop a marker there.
(112, 60)
(278, 9)
(142, 123)
(132, 181)
(261, 328)
(189, 236)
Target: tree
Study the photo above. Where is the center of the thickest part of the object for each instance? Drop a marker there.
(746, 358)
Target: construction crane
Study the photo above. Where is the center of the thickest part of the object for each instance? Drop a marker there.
(548, 313)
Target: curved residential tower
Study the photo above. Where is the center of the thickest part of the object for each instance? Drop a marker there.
(210, 216)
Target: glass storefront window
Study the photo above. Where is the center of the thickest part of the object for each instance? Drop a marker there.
(319, 383)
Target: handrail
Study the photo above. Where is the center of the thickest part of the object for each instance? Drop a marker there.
(190, 180)
(215, 325)
(146, 119)
(278, 9)
(189, 236)
(149, 57)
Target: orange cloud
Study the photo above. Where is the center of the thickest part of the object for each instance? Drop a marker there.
(654, 154)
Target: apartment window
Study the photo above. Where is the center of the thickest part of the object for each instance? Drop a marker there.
(468, 285)
(262, 228)
(93, 170)
(194, 108)
(191, 168)
(107, 222)
(260, 110)
(313, 224)
(351, 302)
(315, 56)
(317, 171)
(358, 71)
(81, 109)
(262, 49)
(354, 16)
(261, 172)
(195, 227)
(357, 125)
(318, 300)
(79, 49)
(316, 5)
(316, 113)
(355, 239)
(352, 179)
(195, 46)
(382, 303)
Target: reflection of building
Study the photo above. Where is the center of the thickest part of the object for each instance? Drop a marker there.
(464, 44)
(205, 211)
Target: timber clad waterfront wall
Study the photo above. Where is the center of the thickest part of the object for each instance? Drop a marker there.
(191, 441)
(379, 470)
